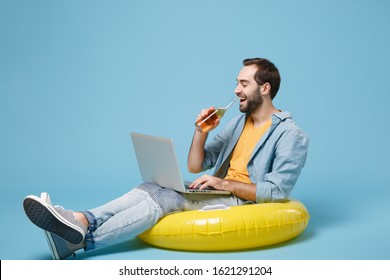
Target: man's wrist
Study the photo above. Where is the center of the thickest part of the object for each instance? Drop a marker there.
(228, 185)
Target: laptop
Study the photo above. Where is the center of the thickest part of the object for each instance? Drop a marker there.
(158, 164)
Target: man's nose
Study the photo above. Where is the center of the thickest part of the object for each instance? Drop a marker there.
(238, 89)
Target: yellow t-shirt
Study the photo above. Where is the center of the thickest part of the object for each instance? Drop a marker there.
(243, 151)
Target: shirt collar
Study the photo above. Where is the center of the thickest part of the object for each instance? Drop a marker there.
(282, 115)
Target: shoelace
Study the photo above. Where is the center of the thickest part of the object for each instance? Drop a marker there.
(59, 207)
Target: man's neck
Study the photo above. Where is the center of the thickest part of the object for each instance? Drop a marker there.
(263, 114)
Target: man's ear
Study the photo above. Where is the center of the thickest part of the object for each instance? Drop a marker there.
(265, 89)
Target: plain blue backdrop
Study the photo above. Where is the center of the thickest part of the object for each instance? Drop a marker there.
(77, 76)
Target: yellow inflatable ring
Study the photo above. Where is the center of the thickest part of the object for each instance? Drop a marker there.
(233, 228)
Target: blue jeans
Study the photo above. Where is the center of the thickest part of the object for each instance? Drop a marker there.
(140, 209)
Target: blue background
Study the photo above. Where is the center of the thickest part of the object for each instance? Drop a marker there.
(77, 76)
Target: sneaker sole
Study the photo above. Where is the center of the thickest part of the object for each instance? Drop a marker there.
(53, 248)
(46, 217)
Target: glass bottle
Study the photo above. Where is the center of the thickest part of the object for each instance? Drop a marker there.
(207, 122)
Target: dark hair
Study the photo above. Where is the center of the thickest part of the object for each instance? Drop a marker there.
(266, 73)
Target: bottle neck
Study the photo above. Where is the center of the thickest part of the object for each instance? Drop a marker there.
(231, 103)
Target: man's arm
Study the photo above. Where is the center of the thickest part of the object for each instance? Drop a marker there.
(287, 164)
(196, 152)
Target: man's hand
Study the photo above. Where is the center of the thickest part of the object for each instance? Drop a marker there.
(210, 181)
(239, 189)
(205, 113)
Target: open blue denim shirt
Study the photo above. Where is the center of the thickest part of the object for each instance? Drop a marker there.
(276, 161)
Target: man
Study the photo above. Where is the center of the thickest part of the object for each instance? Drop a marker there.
(258, 157)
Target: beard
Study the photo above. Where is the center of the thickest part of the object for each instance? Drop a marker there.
(253, 103)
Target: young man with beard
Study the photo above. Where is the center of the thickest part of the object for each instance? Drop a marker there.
(258, 157)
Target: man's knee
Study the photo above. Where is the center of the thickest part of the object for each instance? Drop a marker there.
(169, 200)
